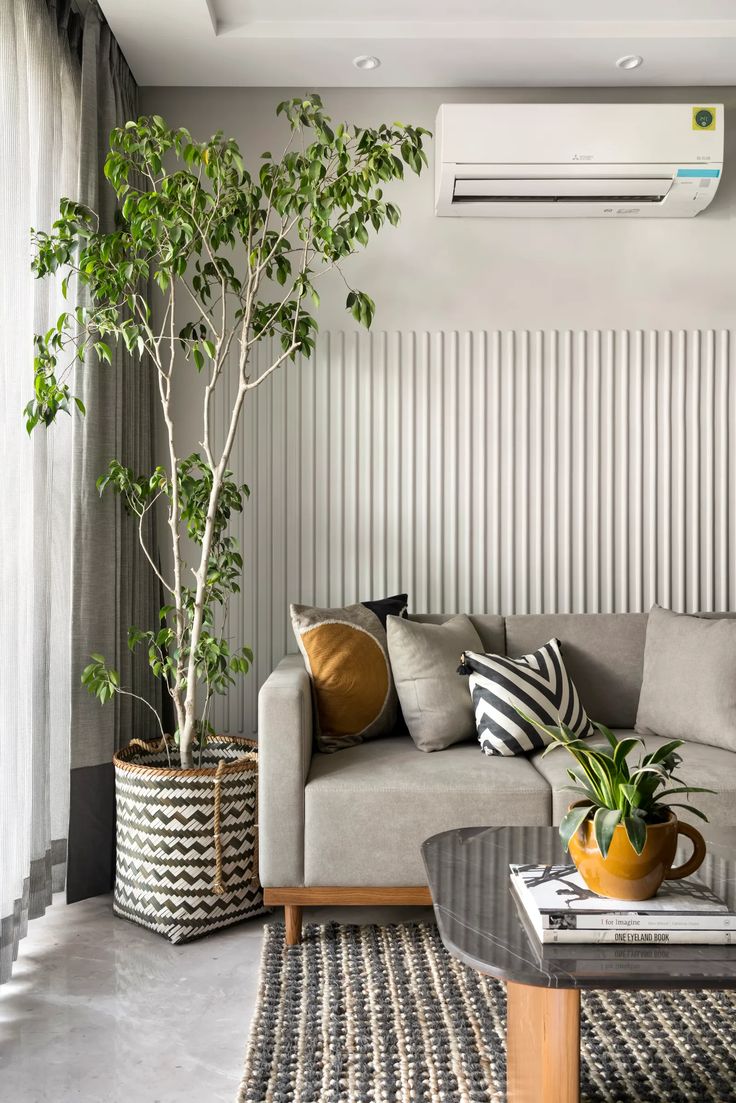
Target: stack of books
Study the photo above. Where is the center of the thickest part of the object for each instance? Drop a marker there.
(559, 907)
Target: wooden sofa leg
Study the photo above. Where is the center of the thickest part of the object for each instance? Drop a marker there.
(293, 920)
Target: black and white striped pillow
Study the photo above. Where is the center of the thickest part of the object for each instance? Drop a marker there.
(538, 684)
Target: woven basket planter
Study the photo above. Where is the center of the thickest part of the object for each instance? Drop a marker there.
(187, 840)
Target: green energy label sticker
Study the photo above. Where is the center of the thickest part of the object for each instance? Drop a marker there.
(704, 118)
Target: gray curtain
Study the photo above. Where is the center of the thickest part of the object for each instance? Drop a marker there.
(39, 102)
(71, 578)
(112, 585)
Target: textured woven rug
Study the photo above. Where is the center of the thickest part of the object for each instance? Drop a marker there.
(385, 1015)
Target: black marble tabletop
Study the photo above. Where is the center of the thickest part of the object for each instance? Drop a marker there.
(478, 918)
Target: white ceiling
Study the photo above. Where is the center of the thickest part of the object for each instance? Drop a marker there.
(461, 43)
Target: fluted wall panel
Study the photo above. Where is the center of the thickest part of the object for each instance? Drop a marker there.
(487, 471)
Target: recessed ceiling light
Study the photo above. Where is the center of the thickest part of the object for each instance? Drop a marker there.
(366, 61)
(629, 61)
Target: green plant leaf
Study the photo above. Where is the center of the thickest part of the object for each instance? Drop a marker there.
(681, 789)
(555, 733)
(636, 829)
(603, 770)
(658, 756)
(622, 751)
(689, 807)
(632, 793)
(613, 741)
(572, 821)
(605, 822)
(584, 794)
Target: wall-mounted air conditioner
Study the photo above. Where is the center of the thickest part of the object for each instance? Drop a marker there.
(533, 160)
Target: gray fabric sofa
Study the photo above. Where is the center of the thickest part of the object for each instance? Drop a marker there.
(347, 827)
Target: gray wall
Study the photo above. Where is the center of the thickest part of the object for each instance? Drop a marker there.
(569, 463)
(435, 273)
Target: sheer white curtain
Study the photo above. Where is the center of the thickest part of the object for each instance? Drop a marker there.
(39, 162)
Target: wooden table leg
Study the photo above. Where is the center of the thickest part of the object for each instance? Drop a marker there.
(543, 1044)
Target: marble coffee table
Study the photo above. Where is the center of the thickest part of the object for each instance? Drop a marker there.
(478, 920)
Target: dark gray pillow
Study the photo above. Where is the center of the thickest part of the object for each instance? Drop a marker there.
(435, 702)
(689, 685)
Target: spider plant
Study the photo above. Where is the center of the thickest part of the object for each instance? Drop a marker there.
(612, 790)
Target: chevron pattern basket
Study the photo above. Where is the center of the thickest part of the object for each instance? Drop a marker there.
(187, 840)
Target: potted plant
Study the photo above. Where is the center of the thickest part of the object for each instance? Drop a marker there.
(621, 832)
(236, 257)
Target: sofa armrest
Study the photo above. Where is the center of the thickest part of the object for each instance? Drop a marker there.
(284, 755)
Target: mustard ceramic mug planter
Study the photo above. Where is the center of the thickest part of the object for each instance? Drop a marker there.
(622, 835)
(625, 875)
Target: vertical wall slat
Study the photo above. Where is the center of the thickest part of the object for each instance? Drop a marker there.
(497, 472)
(707, 488)
(475, 472)
(593, 597)
(723, 489)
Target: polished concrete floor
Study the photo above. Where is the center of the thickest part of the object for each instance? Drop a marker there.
(101, 1011)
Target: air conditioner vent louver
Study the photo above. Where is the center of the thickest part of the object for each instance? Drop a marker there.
(558, 198)
(577, 160)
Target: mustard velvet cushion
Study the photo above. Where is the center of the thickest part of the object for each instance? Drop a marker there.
(346, 653)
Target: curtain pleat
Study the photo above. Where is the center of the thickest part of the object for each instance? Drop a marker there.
(112, 584)
(39, 104)
(71, 576)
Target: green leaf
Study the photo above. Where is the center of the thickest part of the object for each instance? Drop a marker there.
(689, 807)
(362, 307)
(103, 351)
(605, 822)
(661, 753)
(572, 821)
(681, 789)
(555, 733)
(632, 793)
(636, 829)
(621, 752)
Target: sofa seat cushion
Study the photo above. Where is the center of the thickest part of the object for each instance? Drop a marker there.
(711, 767)
(368, 809)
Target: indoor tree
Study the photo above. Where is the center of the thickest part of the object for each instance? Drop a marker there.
(236, 257)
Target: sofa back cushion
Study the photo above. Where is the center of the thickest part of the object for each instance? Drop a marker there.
(603, 653)
(489, 626)
(689, 689)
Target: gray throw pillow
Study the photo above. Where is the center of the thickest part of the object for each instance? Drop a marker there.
(436, 704)
(689, 685)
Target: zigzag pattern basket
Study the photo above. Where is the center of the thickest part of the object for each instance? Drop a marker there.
(187, 840)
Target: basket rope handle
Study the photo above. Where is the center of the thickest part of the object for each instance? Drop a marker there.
(146, 746)
(218, 885)
(139, 743)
